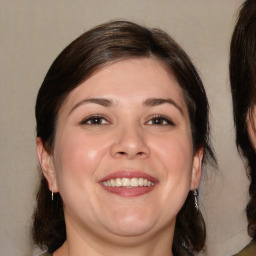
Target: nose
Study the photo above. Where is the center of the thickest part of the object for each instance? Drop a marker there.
(130, 143)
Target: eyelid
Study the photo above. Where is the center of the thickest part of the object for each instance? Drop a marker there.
(168, 120)
(88, 118)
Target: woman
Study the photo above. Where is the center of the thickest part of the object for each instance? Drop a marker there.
(122, 133)
(243, 86)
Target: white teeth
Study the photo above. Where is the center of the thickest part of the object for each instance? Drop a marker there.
(127, 182)
(118, 182)
(134, 182)
(113, 183)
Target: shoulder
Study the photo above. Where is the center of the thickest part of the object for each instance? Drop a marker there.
(249, 250)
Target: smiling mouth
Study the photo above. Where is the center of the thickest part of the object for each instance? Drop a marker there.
(127, 182)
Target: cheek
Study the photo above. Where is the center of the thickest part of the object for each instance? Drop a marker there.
(176, 154)
(176, 157)
(77, 156)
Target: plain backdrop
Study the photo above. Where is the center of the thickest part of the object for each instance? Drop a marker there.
(33, 32)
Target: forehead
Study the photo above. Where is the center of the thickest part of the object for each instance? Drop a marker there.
(130, 80)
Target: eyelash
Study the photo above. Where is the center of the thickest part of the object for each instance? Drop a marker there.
(162, 119)
(94, 118)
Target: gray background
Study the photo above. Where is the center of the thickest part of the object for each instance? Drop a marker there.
(33, 32)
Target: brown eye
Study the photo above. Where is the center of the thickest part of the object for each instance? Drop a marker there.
(95, 120)
(160, 120)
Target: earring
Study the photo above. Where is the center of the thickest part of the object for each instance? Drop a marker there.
(196, 200)
(52, 195)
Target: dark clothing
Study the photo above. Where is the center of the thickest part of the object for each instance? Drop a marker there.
(249, 250)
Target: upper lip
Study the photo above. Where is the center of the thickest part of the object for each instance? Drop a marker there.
(128, 174)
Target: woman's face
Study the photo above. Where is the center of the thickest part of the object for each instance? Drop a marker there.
(123, 157)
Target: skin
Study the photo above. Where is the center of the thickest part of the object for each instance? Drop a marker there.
(129, 136)
(251, 124)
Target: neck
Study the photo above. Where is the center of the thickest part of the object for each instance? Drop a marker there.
(77, 244)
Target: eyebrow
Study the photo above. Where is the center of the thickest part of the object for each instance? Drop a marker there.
(99, 101)
(153, 102)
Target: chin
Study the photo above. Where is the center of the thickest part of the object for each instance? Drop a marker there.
(131, 223)
(131, 230)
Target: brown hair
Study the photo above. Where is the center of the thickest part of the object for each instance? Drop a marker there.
(242, 69)
(99, 46)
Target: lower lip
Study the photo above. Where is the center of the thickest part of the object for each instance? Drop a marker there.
(129, 192)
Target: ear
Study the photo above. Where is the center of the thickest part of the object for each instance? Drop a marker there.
(197, 169)
(46, 162)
